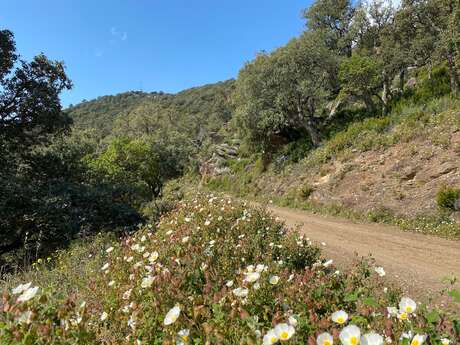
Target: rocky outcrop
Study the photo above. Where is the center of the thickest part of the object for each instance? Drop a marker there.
(217, 164)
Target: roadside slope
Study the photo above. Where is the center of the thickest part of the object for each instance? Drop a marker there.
(420, 261)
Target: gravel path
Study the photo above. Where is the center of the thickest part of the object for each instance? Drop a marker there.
(419, 261)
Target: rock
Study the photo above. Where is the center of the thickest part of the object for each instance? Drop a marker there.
(408, 173)
(457, 205)
(443, 169)
(411, 83)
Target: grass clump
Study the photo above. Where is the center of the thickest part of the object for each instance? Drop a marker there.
(213, 271)
(447, 198)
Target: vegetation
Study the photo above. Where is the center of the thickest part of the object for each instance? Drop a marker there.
(180, 282)
(448, 197)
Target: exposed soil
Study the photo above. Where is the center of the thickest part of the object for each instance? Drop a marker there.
(416, 262)
(403, 178)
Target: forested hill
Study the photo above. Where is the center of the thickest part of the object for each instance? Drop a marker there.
(197, 111)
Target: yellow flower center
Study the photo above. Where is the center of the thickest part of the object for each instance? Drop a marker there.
(354, 341)
(403, 316)
(340, 319)
(273, 340)
(284, 335)
(184, 338)
(414, 342)
(327, 342)
(408, 309)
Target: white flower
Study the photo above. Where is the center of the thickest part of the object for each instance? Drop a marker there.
(270, 338)
(104, 316)
(392, 311)
(111, 283)
(147, 282)
(402, 315)
(172, 315)
(143, 238)
(380, 271)
(130, 259)
(445, 341)
(292, 321)
(261, 268)
(109, 250)
(328, 263)
(252, 277)
(418, 339)
(207, 222)
(21, 288)
(284, 331)
(185, 239)
(127, 294)
(274, 280)
(407, 305)
(256, 286)
(240, 292)
(229, 283)
(105, 267)
(132, 322)
(28, 294)
(339, 317)
(371, 339)
(153, 257)
(183, 336)
(350, 335)
(324, 339)
(25, 317)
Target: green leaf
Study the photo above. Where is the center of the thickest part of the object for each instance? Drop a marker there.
(351, 297)
(433, 317)
(455, 295)
(371, 302)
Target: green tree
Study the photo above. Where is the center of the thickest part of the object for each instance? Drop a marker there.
(142, 164)
(285, 94)
(333, 20)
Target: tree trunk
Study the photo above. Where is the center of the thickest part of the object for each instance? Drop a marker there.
(314, 133)
(452, 72)
(309, 125)
(369, 104)
(386, 94)
(402, 75)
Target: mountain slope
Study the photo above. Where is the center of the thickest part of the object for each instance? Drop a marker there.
(206, 108)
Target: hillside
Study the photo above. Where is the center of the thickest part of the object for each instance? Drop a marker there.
(199, 111)
(386, 169)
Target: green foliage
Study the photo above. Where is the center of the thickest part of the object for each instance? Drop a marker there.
(306, 191)
(192, 265)
(282, 96)
(447, 197)
(198, 113)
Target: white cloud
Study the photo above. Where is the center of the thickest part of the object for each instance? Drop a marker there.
(119, 35)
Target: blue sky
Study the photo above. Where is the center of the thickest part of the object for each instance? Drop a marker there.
(153, 45)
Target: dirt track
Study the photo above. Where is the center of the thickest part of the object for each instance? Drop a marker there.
(419, 261)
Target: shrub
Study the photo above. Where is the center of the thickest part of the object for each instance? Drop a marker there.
(447, 197)
(306, 191)
(226, 272)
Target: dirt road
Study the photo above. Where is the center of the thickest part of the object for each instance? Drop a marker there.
(419, 261)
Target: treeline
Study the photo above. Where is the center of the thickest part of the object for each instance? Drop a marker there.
(349, 55)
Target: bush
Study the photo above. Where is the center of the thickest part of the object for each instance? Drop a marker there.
(447, 197)
(229, 271)
(306, 191)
